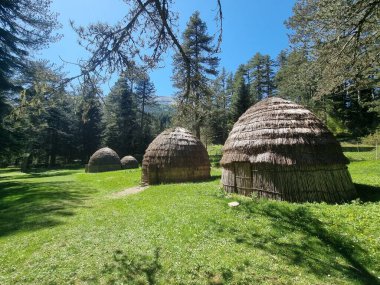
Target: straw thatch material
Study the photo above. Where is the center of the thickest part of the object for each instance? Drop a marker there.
(104, 159)
(129, 162)
(175, 156)
(281, 150)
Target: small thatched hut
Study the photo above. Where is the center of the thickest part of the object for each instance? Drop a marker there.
(128, 162)
(280, 150)
(175, 156)
(104, 159)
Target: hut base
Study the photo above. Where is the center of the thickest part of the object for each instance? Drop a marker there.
(130, 166)
(102, 168)
(330, 184)
(153, 175)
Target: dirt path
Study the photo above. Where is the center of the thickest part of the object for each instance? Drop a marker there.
(129, 191)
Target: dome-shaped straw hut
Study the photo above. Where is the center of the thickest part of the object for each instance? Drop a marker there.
(175, 156)
(128, 162)
(104, 159)
(280, 150)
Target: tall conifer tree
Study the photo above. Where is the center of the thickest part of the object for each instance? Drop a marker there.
(145, 95)
(90, 119)
(120, 118)
(241, 100)
(192, 108)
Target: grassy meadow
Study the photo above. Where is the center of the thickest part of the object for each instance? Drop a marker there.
(67, 227)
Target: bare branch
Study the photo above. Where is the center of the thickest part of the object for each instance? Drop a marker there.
(176, 43)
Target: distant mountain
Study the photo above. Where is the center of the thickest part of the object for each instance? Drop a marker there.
(165, 100)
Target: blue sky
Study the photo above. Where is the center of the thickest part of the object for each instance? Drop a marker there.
(249, 26)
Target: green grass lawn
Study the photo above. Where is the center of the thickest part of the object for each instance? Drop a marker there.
(65, 227)
(360, 152)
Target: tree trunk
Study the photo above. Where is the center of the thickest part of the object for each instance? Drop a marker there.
(53, 146)
(26, 161)
(143, 107)
(198, 131)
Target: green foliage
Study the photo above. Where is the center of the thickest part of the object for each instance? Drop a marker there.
(215, 154)
(296, 80)
(145, 96)
(352, 110)
(372, 139)
(89, 119)
(335, 54)
(120, 119)
(260, 77)
(24, 28)
(163, 115)
(193, 106)
(130, 114)
(342, 38)
(337, 127)
(43, 118)
(234, 94)
(241, 100)
(218, 120)
(26, 25)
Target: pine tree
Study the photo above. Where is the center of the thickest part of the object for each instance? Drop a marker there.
(297, 79)
(43, 117)
(354, 112)
(260, 75)
(281, 59)
(120, 119)
(89, 118)
(342, 38)
(197, 44)
(220, 108)
(145, 95)
(241, 100)
(256, 75)
(25, 26)
(269, 83)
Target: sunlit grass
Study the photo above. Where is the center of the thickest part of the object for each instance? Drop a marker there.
(66, 227)
(360, 152)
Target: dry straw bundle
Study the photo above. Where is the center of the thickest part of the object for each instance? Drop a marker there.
(175, 156)
(129, 162)
(104, 159)
(281, 150)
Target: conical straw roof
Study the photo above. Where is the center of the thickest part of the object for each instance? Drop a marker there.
(104, 156)
(278, 131)
(129, 161)
(176, 147)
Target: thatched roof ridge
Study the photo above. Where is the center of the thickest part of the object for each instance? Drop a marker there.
(176, 147)
(278, 131)
(104, 156)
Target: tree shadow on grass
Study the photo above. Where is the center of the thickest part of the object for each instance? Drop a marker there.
(368, 193)
(8, 169)
(357, 149)
(214, 177)
(42, 174)
(302, 240)
(133, 269)
(26, 206)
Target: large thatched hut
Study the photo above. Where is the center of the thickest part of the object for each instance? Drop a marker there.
(175, 156)
(104, 159)
(129, 162)
(280, 150)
